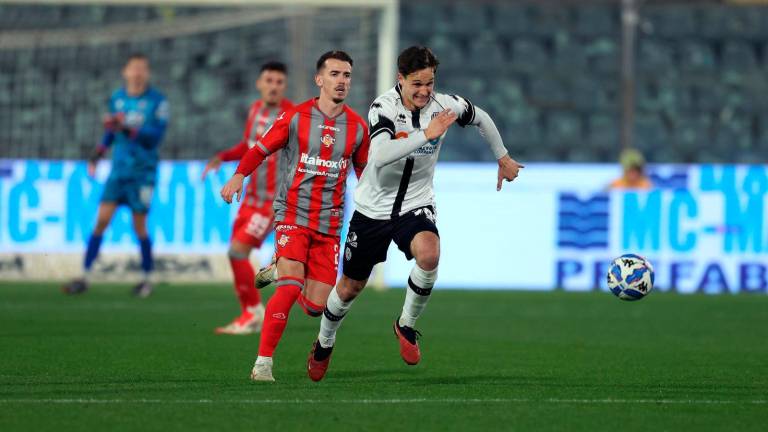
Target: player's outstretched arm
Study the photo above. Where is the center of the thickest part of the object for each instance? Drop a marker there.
(386, 150)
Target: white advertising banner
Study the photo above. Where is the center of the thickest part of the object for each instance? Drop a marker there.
(703, 227)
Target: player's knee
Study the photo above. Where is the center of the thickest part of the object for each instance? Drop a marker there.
(238, 250)
(428, 259)
(236, 253)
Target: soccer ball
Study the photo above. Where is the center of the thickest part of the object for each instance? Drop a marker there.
(630, 277)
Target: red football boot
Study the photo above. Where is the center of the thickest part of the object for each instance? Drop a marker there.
(318, 361)
(409, 346)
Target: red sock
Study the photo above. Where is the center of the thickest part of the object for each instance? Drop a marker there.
(245, 282)
(276, 314)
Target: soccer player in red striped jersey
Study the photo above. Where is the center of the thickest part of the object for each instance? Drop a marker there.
(320, 139)
(255, 217)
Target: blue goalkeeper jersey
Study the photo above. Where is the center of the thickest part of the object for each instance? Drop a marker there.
(135, 154)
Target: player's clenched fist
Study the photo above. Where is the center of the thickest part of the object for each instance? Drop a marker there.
(439, 124)
(508, 170)
(233, 186)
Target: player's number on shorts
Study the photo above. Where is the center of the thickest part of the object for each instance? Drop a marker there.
(336, 255)
(257, 226)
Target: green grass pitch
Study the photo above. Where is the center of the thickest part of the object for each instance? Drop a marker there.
(491, 361)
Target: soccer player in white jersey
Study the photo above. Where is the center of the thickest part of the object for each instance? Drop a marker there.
(395, 201)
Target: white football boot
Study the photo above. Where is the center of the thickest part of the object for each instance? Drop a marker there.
(249, 322)
(262, 370)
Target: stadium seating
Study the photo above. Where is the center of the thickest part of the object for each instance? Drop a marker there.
(548, 73)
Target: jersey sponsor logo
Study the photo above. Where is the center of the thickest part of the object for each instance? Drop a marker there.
(163, 110)
(283, 227)
(427, 149)
(326, 127)
(134, 118)
(339, 165)
(328, 140)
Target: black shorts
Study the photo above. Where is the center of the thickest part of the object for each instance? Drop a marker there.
(368, 239)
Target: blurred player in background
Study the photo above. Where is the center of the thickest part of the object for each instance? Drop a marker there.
(395, 201)
(134, 128)
(633, 176)
(255, 217)
(320, 138)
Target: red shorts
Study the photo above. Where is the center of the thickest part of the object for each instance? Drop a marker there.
(253, 224)
(319, 252)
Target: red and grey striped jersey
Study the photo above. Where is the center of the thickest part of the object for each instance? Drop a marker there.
(317, 151)
(261, 189)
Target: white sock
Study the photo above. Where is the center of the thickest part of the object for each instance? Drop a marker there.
(147, 277)
(263, 360)
(335, 310)
(420, 285)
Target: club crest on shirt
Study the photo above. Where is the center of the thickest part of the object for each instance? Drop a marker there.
(328, 140)
(283, 240)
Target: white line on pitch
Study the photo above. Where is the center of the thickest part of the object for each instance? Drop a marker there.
(385, 401)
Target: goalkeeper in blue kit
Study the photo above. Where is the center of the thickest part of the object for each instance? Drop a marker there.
(134, 129)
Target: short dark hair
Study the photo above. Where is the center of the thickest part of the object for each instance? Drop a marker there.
(137, 56)
(338, 55)
(274, 66)
(416, 58)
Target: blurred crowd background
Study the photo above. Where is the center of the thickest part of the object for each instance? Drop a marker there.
(549, 72)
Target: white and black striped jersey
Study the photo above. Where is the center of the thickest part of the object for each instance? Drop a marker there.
(393, 189)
